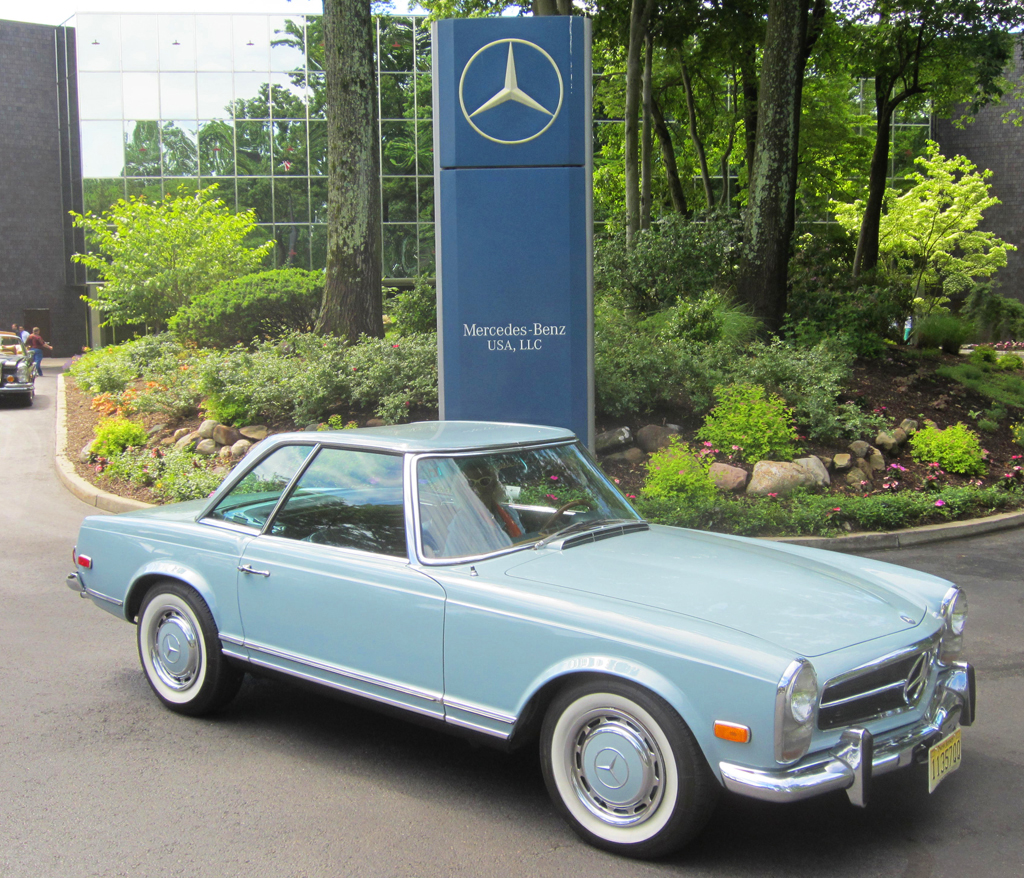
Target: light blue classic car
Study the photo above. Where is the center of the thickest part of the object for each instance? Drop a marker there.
(490, 577)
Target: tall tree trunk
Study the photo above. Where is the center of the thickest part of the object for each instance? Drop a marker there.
(640, 14)
(726, 196)
(698, 144)
(551, 7)
(748, 78)
(352, 303)
(645, 138)
(768, 227)
(668, 158)
(866, 258)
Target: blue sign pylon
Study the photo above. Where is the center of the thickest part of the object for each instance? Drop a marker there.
(513, 168)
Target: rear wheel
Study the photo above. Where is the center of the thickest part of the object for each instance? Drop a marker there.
(624, 770)
(180, 651)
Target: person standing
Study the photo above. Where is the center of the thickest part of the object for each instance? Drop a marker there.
(37, 346)
(23, 333)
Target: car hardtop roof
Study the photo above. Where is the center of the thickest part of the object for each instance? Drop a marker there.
(433, 436)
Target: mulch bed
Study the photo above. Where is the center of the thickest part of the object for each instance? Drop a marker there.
(919, 395)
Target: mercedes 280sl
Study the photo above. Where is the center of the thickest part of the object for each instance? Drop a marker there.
(490, 578)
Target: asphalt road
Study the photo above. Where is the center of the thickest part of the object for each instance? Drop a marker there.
(97, 779)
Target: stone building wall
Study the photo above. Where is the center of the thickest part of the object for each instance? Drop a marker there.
(991, 143)
(33, 263)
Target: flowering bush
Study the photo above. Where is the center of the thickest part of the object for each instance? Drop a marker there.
(956, 449)
(759, 423)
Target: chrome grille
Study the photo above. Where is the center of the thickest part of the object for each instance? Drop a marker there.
(873, 692)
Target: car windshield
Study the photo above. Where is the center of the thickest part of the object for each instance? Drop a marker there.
(11, 344)
(474, 505)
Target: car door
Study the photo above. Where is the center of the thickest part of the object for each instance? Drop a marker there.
(326, 592)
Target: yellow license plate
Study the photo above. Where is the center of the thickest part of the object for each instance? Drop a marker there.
(943, 759)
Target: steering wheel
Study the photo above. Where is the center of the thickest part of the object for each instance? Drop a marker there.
(563, 508)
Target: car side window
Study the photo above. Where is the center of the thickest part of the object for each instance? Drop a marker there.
(251, 501)
(352, 499)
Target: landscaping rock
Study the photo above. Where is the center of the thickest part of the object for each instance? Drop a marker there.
(778, 477)
(225, 452)
(224, 435)
(184, 431)
(155, 430)
(376, 422)
(887, 443)
(900, 436)
(206, 446)
(206, 429)
(876, 460)
(865, 469)
(255, 433)
(187, 440)
(85, 455)
(908, 426)
(630, 456)
(241, 448)
(727, 478)
(859, 448)
(612, 440)
(653, 437)
(842, 462)
(815, 469)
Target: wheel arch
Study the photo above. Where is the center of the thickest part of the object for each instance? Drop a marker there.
(583, 670)
(162, 571)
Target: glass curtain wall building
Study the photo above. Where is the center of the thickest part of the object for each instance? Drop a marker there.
(171, 103)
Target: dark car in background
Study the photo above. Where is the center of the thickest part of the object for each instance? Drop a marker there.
(16, 376)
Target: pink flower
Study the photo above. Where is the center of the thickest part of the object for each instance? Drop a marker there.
(940, 502)
(773, 495)
(394, 345)
(631, 496)
(551, 497)
(554, 478)
(616, 481)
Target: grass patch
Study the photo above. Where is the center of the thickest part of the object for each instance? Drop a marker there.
(1003, 387)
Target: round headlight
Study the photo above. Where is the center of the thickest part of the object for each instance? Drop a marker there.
(803, 694)
(957, 614)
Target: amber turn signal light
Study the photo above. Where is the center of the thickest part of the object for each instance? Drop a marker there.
(732, 732)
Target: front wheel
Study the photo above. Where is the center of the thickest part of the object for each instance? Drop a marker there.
(624, 770)
(180, 651)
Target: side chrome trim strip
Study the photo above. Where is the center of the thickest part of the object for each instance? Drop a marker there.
(466, 724)
(433, 697)
(102, 597)
(341, 687)
(482, 712)
(234, 641)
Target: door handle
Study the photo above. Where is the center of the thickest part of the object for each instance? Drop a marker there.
(245, 568)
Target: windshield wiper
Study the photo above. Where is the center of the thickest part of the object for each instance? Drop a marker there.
(581, 526)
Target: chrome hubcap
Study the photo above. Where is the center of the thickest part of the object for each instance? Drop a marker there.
(174, 650)
(616, 767)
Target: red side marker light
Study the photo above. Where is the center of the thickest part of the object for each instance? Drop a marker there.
(85, 561)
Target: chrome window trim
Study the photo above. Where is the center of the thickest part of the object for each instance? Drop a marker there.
(338, 670)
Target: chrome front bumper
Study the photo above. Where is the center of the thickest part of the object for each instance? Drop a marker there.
(859, 756)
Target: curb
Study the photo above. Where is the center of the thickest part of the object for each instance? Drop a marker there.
(83, 490)
(868, 542)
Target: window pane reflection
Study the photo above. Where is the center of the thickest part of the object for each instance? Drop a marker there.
(213, 42)
(100, 194)
(291, 201)
(255, 194)
(251, 92)
(400, 250)
(177, 42)
(99, 96)
(142, 149)
(215, 93)
(141, 95)
(102, 149)
(178, 96)
(140, 45)
(217, 149)
(287, 50)
(98, 42)
(251, 43)
(252, 148)
(179, 149)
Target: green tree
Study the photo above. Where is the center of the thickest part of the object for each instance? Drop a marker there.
(928, 236)
(945, 51)
(153, 257)
(352, 303)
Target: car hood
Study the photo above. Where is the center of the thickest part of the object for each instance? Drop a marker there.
(809, 602)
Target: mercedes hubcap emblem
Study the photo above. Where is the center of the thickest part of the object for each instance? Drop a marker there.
(611, 768)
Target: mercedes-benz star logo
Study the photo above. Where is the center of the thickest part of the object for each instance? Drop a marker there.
(511, 91)
(612, 769)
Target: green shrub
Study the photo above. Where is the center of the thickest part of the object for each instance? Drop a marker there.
(262, 306)
(826, 301)
(394, 377)
(759, 423)
(114, 435)
(174, 475)
(678, 472)
(107, 370)
(414, 311)
(988, 426)
(984, 356)
(956, 449)
(1017, 431)
(1004, 388)
(1010, 363)
(996, 316)
(944, 331)
(676, 258)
